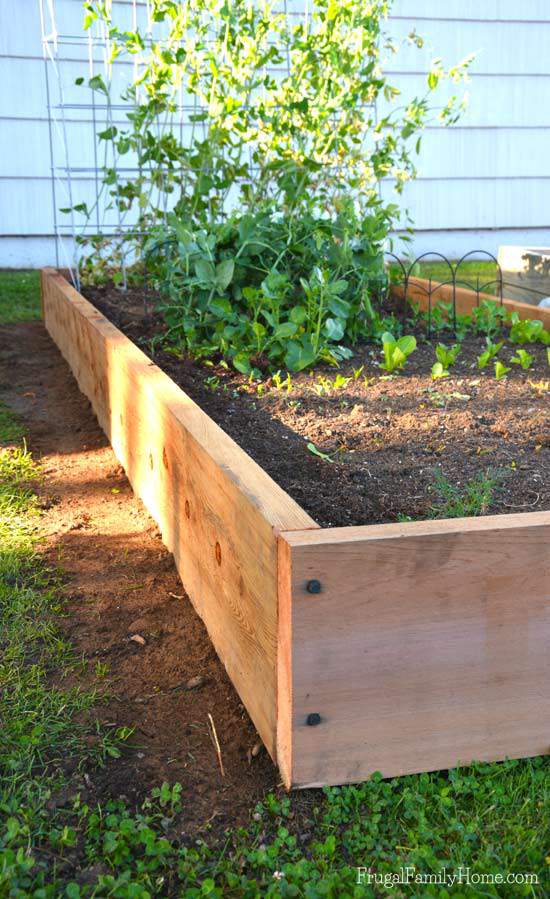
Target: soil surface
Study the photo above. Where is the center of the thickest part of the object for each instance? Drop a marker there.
(120, 583)
(388, 439)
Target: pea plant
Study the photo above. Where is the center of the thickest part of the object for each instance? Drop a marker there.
(488, 318)
(490, 353)
(264, 229)
(266, 292)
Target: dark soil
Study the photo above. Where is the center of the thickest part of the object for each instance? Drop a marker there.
(120, 582)
(388, 437)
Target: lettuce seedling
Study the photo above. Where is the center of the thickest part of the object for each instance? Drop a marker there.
(446, 356)
(396, 352)
(528, 331)
(501, 370)
(523, 358)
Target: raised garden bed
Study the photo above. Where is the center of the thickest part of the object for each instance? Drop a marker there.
(397, 647)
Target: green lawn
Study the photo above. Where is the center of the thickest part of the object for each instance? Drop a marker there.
(469, 274)
(481, 821)
(19, 296)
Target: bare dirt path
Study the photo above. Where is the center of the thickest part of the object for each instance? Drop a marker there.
(120, 582)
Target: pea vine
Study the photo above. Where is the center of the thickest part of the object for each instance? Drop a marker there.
(263, 225)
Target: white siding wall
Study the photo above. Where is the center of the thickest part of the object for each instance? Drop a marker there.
(481, 183)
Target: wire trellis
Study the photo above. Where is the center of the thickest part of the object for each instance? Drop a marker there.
(78, 157)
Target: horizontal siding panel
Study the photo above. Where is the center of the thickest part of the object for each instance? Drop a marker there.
(515, 48)
(467, 10)
(502, 153)
(471, 177)
(475, 204)
(493, 101)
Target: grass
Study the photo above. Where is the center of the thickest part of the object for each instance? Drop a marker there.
(10, 429)
(480, 822)
(468, 501)
(467, 275)
(39, 727)
(473, 499)
(19, 296)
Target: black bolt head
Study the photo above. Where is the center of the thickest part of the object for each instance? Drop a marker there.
(313, 719)
(313, 586)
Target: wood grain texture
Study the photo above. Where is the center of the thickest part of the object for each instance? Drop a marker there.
(218, 511)
(428, 646)
(466, 300)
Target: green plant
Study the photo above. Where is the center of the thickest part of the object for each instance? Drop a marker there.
(473, 499)
(396, 352)
(320, 455)
(282, 383)
(212, 383)
(489, 317)
(492, 350)
(301, 140)
(340, 382)
(19, 296)
(10, 430)
(446, 356)
(528, 331)
(324, 385)
(501, 370)
(272, 255)
(444, 316)
(523, 358)
(239, 289)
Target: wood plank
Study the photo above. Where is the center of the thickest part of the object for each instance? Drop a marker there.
(426, 647)
(466, 300)
(218, 511)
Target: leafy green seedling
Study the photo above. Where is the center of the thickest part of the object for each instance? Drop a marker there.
(438, 371)
(396, 352)
(492, 349)
(340, 382)
(322, 386)
(501, 370)
(446, 356)
(212, 383)
(488, 317)
(523, 358)
(528, 331)
(320, 455)
(282, 384)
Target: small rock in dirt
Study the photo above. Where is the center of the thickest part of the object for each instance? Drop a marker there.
(137, 638)
(256, 749)
(195, 682)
